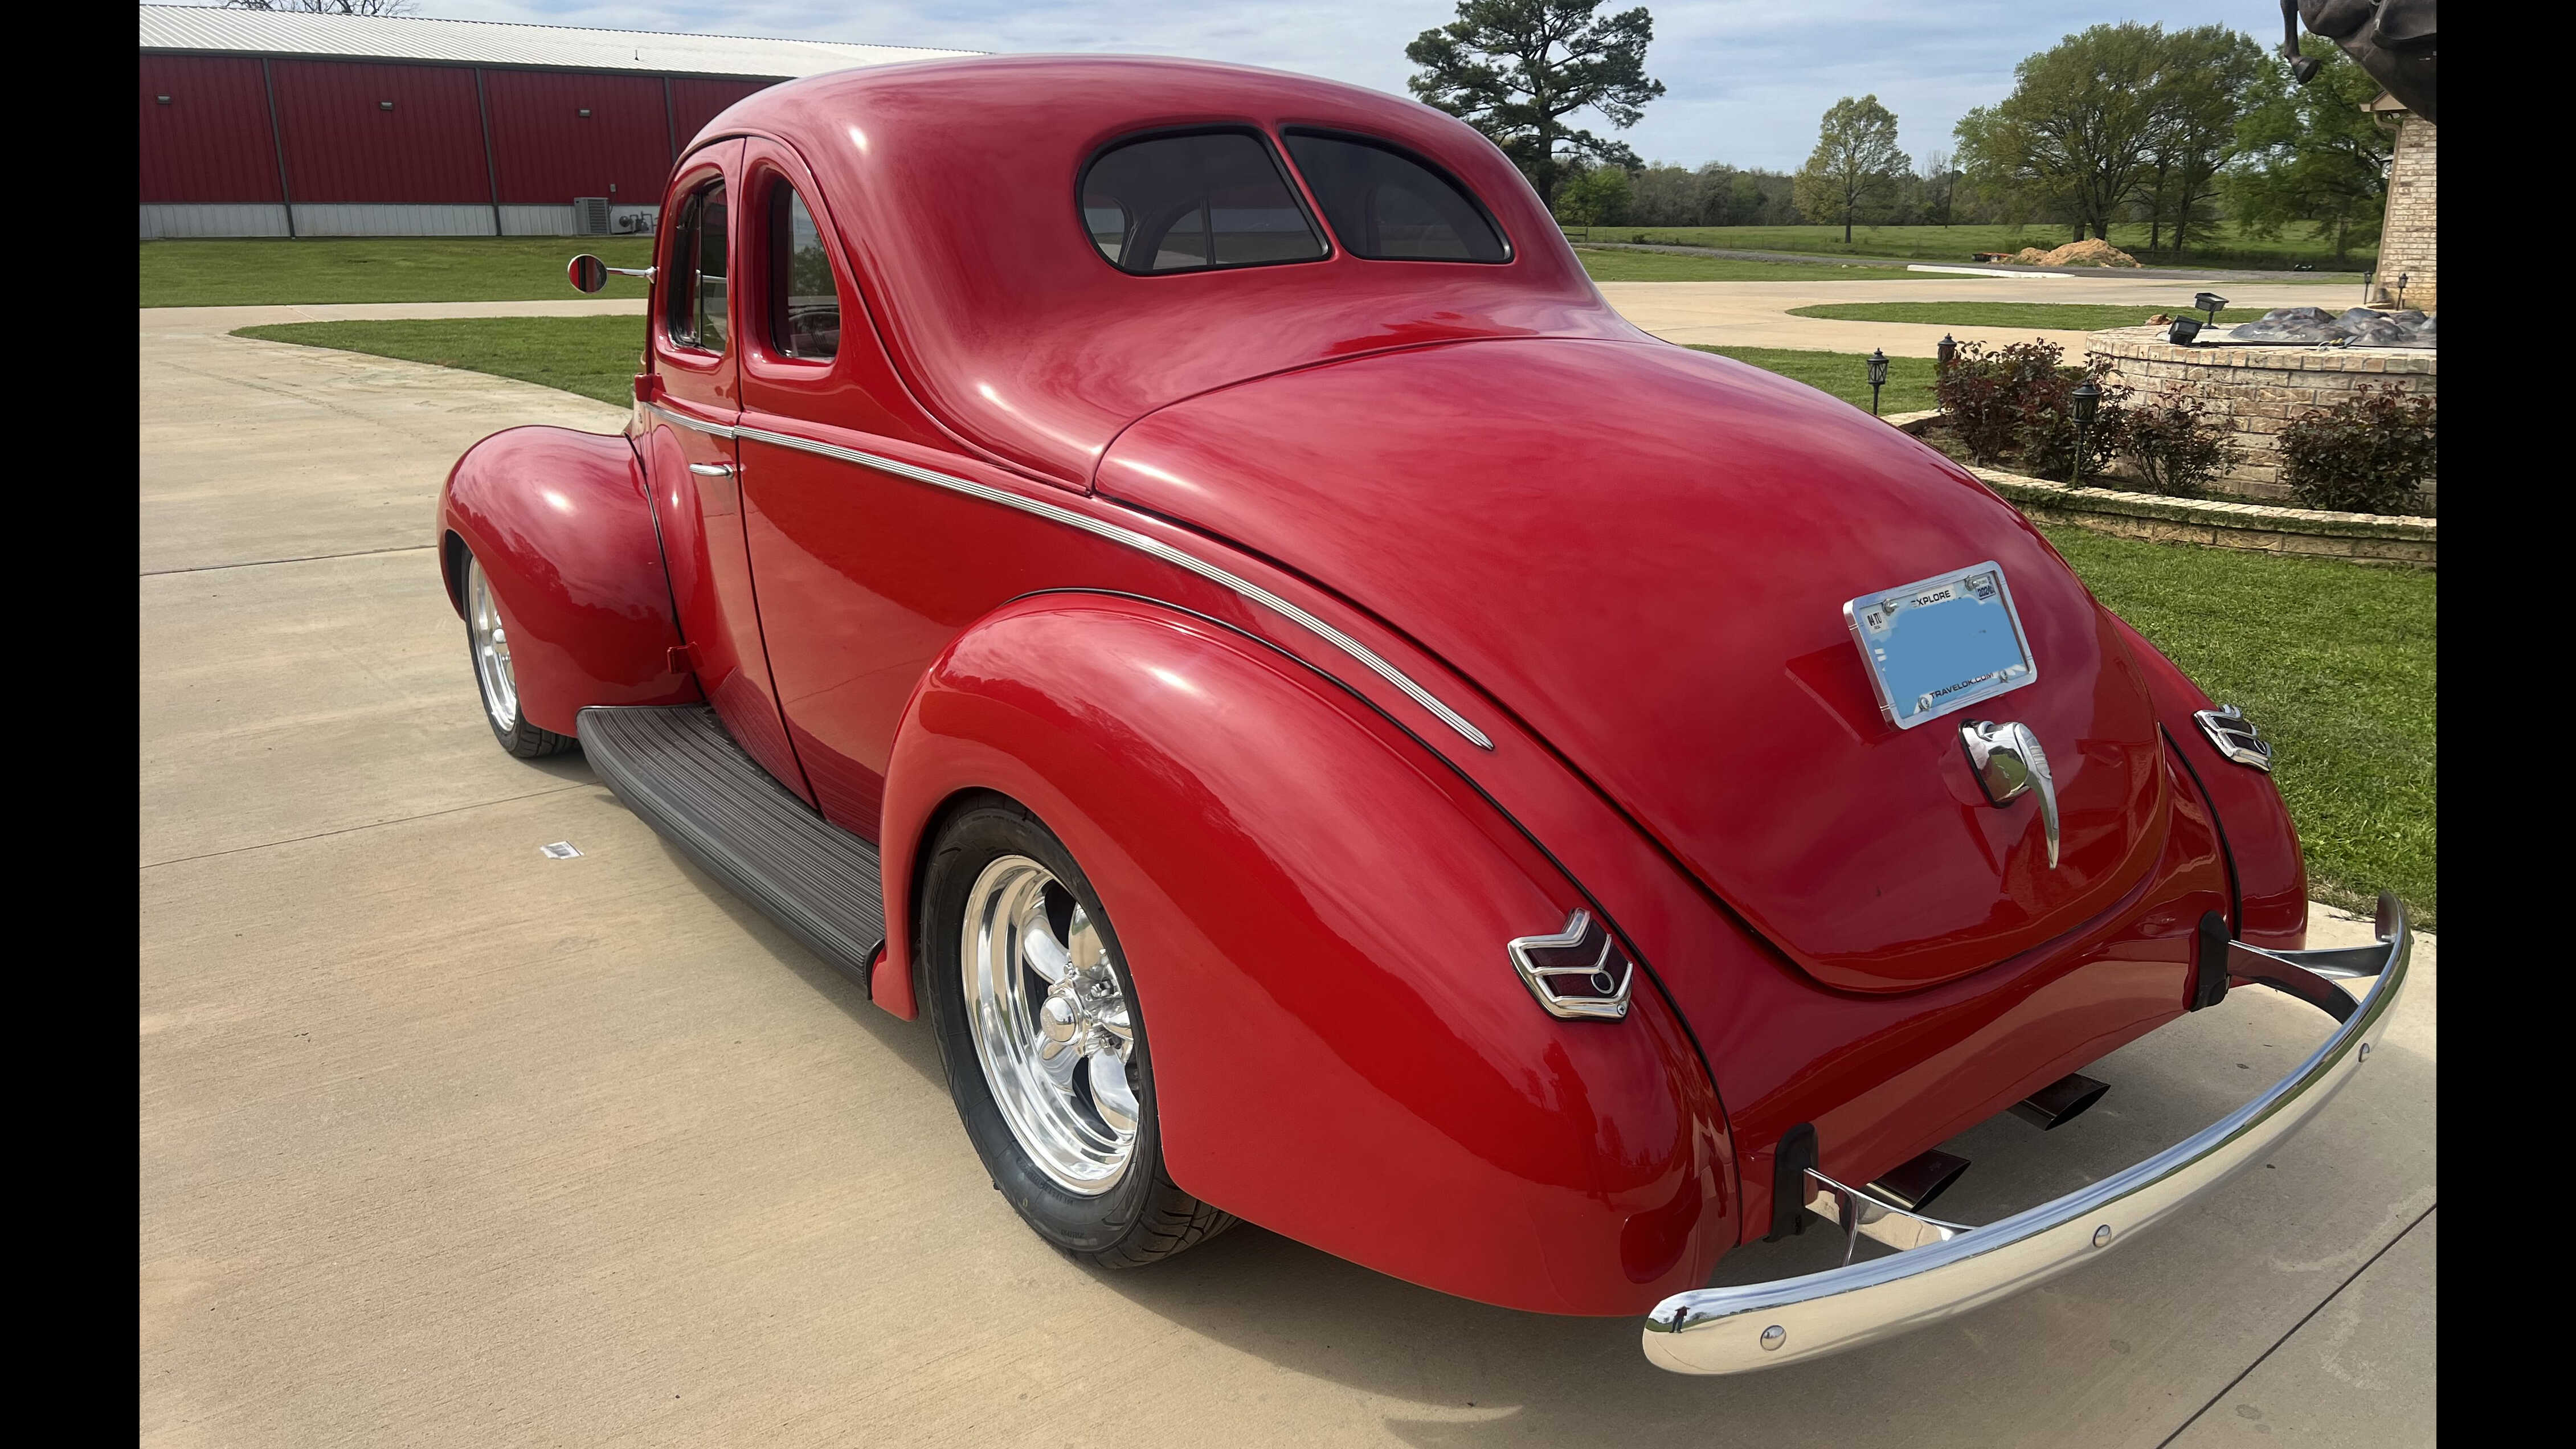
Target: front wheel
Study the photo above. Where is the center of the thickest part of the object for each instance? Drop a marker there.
(1045, 1049)
(487, 638)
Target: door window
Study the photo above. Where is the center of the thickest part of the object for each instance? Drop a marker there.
(804, 302)
(697, 293)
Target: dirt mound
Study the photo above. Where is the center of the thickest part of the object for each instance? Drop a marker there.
(2032, 255)
(2090, 252)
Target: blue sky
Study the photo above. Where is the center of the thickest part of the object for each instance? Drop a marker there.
(1746, 80)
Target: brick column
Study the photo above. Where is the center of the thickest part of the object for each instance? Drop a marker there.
(2406, 238)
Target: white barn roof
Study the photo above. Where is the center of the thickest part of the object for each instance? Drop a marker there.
(483, 42)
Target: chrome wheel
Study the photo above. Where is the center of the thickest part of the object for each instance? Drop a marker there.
(1050, 1020)
(491, 649)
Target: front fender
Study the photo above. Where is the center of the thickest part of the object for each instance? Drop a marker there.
(1315, 910)
(560, 521)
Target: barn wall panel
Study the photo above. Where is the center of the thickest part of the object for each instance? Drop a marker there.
(548, 152)
(212, 143)
(185, 219)
(696, 101)
(342, 145)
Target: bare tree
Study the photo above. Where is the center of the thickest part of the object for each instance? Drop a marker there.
(327, 7)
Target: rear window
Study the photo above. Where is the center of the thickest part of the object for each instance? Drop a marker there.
(1387, 206)
(1195, 202)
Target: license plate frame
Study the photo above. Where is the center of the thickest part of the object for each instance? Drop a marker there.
(1959, 660)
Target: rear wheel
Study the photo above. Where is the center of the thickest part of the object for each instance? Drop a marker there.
(1044, 1047)
(488, 640)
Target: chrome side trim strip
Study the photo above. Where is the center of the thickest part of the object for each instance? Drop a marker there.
(695, 425)
(1126, 537)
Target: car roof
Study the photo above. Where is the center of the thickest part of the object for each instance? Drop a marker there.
(952, 184)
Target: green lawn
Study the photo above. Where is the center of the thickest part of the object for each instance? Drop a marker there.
(593, 356)
(271, 270)
(1844, 374)
(2228, 247)
(2334, 661)
(2066, 316)
(1608, 265)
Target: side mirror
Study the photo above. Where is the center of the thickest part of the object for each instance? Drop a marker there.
(588, 273)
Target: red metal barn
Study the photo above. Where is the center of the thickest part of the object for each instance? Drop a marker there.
(264, 124)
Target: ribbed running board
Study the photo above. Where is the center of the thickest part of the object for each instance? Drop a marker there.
(677, 768)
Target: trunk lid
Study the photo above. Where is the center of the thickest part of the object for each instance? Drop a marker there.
(1642, 552)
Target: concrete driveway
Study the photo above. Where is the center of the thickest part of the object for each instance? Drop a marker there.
(444, 1142)
(1756, 314)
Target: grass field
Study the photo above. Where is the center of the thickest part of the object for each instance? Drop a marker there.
(593, 356)
(2066, 316)
(2227, 248)
(1624, 266)
(1844, 374)
(2334, 661)
(271, 271)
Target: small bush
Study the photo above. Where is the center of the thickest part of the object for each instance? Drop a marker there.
(2366, 454)
(2020, 398)
(2175, 451)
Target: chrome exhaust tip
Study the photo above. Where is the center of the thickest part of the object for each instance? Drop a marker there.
(1913, 1185)
(2060, 1102)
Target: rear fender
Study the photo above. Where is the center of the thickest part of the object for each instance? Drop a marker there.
(1315, 912)
(2270, 876)
(560, 521)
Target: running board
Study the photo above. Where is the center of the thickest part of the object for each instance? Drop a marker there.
(678, 769)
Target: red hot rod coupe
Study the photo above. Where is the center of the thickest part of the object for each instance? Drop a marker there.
(1174, 573)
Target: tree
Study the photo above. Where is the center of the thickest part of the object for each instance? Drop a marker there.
(1515, 69)
(1595, 196)
(1855, 163)
(2075, 130)
(327, 7)
(2312, 153)
(2203, 85)
(1940, 186)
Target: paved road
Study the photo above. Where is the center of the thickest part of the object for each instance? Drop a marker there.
(447, 1143)
(1966, 258)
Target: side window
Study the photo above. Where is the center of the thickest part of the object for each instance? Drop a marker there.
(1387, 206)
(1192, 203)
(696, 315)
(804, 302)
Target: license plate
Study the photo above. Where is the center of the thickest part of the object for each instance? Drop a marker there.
(1941, 644)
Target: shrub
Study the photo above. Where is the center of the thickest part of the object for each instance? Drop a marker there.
(2173, 448)
(2366, 454)
(2020, 398)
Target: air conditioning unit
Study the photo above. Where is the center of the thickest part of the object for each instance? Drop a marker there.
(590, 216)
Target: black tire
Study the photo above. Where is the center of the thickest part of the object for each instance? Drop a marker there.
(520, 738)
(1145, 1217)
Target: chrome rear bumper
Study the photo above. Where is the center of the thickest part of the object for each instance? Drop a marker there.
(1946, 1269)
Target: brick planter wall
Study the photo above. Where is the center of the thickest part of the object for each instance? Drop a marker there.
(2255, 391)
(2364, 538)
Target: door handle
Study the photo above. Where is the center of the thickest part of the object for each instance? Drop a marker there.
(712, 470)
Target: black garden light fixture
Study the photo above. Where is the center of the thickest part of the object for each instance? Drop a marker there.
(2087, 399)
(1948, 352)
(2211, 303)
(2183, 330)
(2401, 289)
(1877, 376)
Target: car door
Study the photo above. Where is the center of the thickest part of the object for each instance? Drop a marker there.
(695, 463)
(854, 566)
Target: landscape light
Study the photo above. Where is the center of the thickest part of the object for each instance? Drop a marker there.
(2210, 302)
(2401, 289)
(1949, 350)
(1877, 376)
(2087, 399)
(2183, 330)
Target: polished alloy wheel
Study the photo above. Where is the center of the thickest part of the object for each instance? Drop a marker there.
(1049, 1016)
(491, 649)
